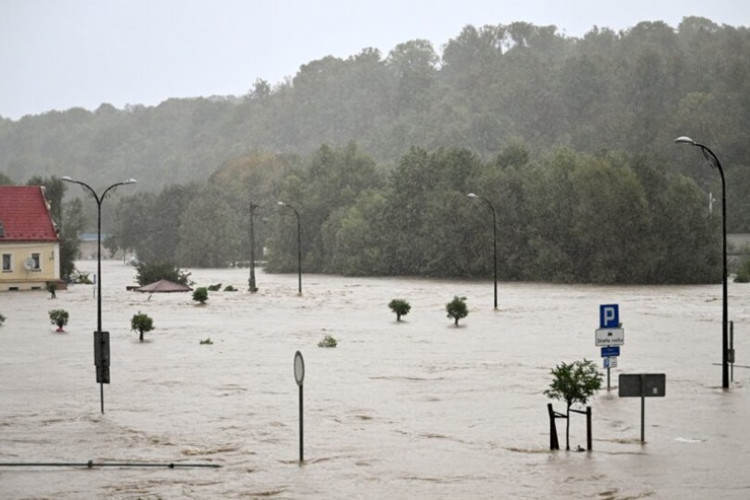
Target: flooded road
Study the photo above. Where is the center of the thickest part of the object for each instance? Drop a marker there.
(411, 409)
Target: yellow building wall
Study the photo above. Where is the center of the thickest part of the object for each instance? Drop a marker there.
(20, 278)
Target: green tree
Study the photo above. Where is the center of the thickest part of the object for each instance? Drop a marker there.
(141, 323)
(74, 221)
(457, 309)
(200, 295)
(134, 223)
(150, 272)
(573, 383)
(743, 275)
(161, 240)
(400, 307)
(354, 237)
(58, 317)
(208, 232)
(413, 65)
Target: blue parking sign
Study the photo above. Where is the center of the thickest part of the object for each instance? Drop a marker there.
(609, 316)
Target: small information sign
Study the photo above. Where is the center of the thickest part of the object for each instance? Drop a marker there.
(611, 351)
(609, 337)
(609, 316)
(643, 385)
(610, 362)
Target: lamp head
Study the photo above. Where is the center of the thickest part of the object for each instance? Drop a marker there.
(281, 203)
(471, 195)
(685, 140)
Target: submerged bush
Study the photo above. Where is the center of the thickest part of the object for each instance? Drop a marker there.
(150, 272)
(328, 341)
(58, 317)
(457, 308)
(400, 307)
(141, 323)
(200, 295)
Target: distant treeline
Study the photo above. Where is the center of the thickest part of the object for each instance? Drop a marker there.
(561, 217)
(632, 91)
(570, 139)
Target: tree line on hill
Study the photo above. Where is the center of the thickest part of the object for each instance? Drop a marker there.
(570, 138)
(561, 217)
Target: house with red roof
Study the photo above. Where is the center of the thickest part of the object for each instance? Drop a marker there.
(29, 240)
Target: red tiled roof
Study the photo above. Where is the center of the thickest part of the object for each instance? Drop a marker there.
(24, 215)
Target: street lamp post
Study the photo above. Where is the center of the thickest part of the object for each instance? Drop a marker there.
(494, 236)
(714, 160)
(299, 246)
(253, 208)
(99, 200)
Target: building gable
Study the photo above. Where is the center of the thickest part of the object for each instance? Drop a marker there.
(25, 215)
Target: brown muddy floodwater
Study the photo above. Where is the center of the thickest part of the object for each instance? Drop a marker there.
(416, 409)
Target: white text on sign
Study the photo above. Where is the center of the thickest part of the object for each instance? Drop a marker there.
(609, 336)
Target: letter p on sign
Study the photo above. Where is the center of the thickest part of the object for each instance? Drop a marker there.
(609, 316)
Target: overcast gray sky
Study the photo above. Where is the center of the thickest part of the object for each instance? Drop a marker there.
(59, 54)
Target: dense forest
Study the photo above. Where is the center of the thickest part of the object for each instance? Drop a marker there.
(569, 139)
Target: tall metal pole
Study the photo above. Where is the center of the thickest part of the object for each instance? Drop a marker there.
(299, 253)
(99, 200)
(711, 157)
(99, 288)
(299, 246)
(494, 236)
(253, 288)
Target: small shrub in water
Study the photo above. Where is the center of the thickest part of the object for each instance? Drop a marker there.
(573, 383)
(58, 317)
(214, 288)
(400, 307)
(327, 341)
(230, 288)
(207, 341)
(457, 309)
(200, 295)
(141, 323)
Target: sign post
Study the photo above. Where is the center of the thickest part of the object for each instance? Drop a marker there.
(299, 377)
(643, 385)
(609, 336)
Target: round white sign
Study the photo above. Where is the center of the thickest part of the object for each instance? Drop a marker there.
(299, 368)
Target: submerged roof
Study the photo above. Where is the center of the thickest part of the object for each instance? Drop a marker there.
(164, 286)
(25, 215)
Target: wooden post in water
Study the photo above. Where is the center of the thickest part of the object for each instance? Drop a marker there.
(554, 444)
(588, 428)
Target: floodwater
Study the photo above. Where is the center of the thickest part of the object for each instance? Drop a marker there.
(416, 409)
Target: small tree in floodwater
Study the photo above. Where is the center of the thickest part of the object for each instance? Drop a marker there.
(141, 323)
(574, 383)
(200, 295)
(58, 317)
(400, 307)
(457, 309)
